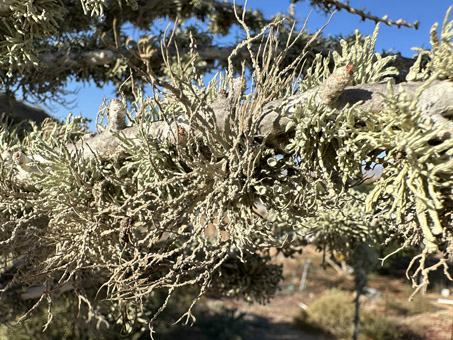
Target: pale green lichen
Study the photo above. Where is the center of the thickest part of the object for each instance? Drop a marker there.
(191, 209)
(28, 22)
(416, 172)
(440, 56)
(368, 65)
(412, 199)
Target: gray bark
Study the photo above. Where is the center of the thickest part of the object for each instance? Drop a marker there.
(76, 59)
(435, 102)
(79, 58)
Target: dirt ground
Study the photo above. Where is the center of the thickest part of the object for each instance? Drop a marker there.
(240, 320)
(273, 321)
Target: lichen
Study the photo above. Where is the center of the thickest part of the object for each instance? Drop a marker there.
(191, 210)
(435, 62)
(368, 65)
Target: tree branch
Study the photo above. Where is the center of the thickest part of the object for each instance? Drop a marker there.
(79, 58)
(369, 16)
(435, 102)
(21, 111)
(327, 4)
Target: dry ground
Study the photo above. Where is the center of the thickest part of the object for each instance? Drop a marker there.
(273, 321)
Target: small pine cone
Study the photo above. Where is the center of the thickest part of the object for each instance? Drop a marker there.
(117, 115)
(332, 88)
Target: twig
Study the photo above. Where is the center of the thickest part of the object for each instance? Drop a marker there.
(368, 16)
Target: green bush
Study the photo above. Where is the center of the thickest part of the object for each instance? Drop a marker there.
(332, 314)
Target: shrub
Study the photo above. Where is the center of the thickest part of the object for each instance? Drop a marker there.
(420, 304)
(377, 327)
(333, 315)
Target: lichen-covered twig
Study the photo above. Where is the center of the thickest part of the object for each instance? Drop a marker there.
(168, 202)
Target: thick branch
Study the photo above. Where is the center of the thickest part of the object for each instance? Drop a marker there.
(76, 59)
(79, 58)
(435, 102)
(108, 144)
(20, 110)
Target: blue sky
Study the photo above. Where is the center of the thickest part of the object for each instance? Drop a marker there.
(88, 99)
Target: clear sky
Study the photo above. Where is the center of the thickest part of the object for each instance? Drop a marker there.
(89, 97)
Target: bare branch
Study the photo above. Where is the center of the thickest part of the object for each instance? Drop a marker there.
(368, 16)
(79, 58)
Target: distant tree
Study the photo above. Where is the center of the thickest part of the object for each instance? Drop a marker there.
(44, 43)
(191, 185)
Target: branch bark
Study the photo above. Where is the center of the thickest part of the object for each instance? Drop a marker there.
(77, 59)
(368, 16)
(21, 111)
(435, 102)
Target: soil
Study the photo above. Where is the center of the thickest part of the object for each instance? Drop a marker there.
(273, 321)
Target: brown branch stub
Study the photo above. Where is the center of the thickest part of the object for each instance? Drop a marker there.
(333, 87)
